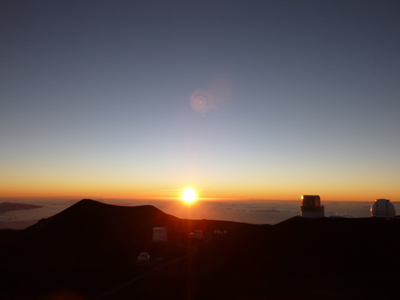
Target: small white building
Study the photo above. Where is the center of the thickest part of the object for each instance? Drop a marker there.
(382, 208)
(160, 234)
(311, 207)
(197, 234)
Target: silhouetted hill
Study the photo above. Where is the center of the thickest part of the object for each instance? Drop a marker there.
(90, 250)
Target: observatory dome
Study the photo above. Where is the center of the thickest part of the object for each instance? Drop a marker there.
(143, 258)
(311, 207)
(382, 208)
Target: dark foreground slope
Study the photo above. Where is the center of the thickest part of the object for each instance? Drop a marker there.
(90, 250)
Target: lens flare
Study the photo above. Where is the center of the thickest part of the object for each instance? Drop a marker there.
(216, 95)
(201, 101)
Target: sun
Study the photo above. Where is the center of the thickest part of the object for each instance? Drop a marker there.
(189, 195)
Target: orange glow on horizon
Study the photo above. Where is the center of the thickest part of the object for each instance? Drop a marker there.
(254, 191)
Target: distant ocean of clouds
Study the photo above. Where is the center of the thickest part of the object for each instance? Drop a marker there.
(255, 212)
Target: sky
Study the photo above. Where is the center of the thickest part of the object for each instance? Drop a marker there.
(235, 99)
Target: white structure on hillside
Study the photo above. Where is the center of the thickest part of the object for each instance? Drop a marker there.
(311, 207)
(197, 234)
(382, 208)
(160, 234)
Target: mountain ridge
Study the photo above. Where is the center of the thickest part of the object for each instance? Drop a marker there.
(92, 247)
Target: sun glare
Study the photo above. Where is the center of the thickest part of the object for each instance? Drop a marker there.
(189, 195)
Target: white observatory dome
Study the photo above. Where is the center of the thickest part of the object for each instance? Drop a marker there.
(143, 258)
(382, 208)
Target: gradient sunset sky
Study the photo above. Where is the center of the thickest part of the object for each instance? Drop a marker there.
(236, 99)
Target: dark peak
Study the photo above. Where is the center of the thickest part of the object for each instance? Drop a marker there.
(90, 215)
(87, 203)
(96, 207)
(92, 204)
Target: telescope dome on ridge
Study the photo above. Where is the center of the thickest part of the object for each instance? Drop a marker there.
(311, 207)
(382, 208)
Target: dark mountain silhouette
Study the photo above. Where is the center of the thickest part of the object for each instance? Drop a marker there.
(90, 250)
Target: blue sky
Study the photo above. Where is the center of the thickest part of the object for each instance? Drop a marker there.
(95, 99)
